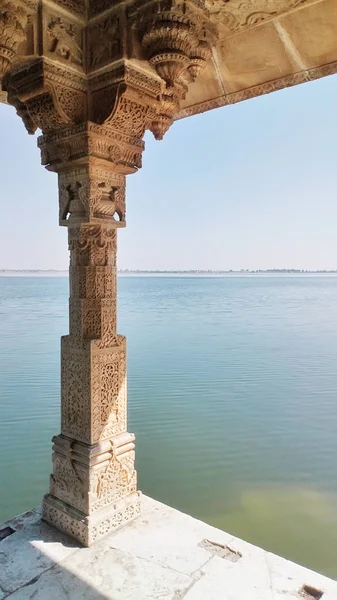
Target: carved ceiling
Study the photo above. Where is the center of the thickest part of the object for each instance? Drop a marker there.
(264, 46)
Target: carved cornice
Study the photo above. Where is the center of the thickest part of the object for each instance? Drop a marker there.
(124, 72)
(259, 90)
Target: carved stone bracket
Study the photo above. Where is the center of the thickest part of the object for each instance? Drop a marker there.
(63, 66)
(50, 96)
(177, 39)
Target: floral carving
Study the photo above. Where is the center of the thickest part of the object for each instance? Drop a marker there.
(84, 201)
(75, 378)
(66, 482)
(111, 483)
(109, 390)
(86, 532)
(129, 117)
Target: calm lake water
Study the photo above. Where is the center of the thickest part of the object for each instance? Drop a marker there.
(232, 396)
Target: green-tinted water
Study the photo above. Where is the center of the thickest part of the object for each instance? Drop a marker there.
(232, 396)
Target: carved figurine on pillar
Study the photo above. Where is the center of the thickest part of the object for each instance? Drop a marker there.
(70, 72)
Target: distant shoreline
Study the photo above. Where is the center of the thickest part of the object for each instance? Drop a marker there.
(149, 273)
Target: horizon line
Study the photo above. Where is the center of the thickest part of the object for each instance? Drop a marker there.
(242, 271)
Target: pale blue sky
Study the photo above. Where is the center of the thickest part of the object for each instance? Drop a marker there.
(248, 186)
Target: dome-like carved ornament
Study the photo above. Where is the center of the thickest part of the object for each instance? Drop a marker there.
(177, 41)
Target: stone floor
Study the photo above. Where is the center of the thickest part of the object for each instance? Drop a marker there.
(163, 555)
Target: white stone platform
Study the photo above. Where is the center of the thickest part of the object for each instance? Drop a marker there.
(163, 555)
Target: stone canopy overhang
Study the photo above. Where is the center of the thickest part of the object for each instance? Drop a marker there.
(263, 46)
(258, 46)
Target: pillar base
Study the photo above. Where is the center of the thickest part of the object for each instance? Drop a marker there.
(89, 529)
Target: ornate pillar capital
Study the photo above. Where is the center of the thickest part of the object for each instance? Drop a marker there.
(63, 65)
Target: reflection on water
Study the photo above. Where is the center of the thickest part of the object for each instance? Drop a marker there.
(232, 396)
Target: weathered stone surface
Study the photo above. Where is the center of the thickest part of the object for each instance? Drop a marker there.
(32, 549)
(158, 556)
(120, 576)
(160, 522)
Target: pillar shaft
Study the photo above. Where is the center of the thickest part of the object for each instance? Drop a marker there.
(93, 487)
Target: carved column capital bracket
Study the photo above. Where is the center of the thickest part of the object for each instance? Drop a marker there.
(47, 96)
(125, 99)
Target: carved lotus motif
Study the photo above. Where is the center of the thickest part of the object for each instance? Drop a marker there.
(196, 67)
(199, 59)
(160, 126)
(169, 34)
(177, 48)
(170, 66)
(170, 42)
(169, 107)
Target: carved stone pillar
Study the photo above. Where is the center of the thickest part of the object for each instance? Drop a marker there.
(93, 76)
(93, 487)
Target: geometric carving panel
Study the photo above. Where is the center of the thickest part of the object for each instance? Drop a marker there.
(75, 391)
(108, 392)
